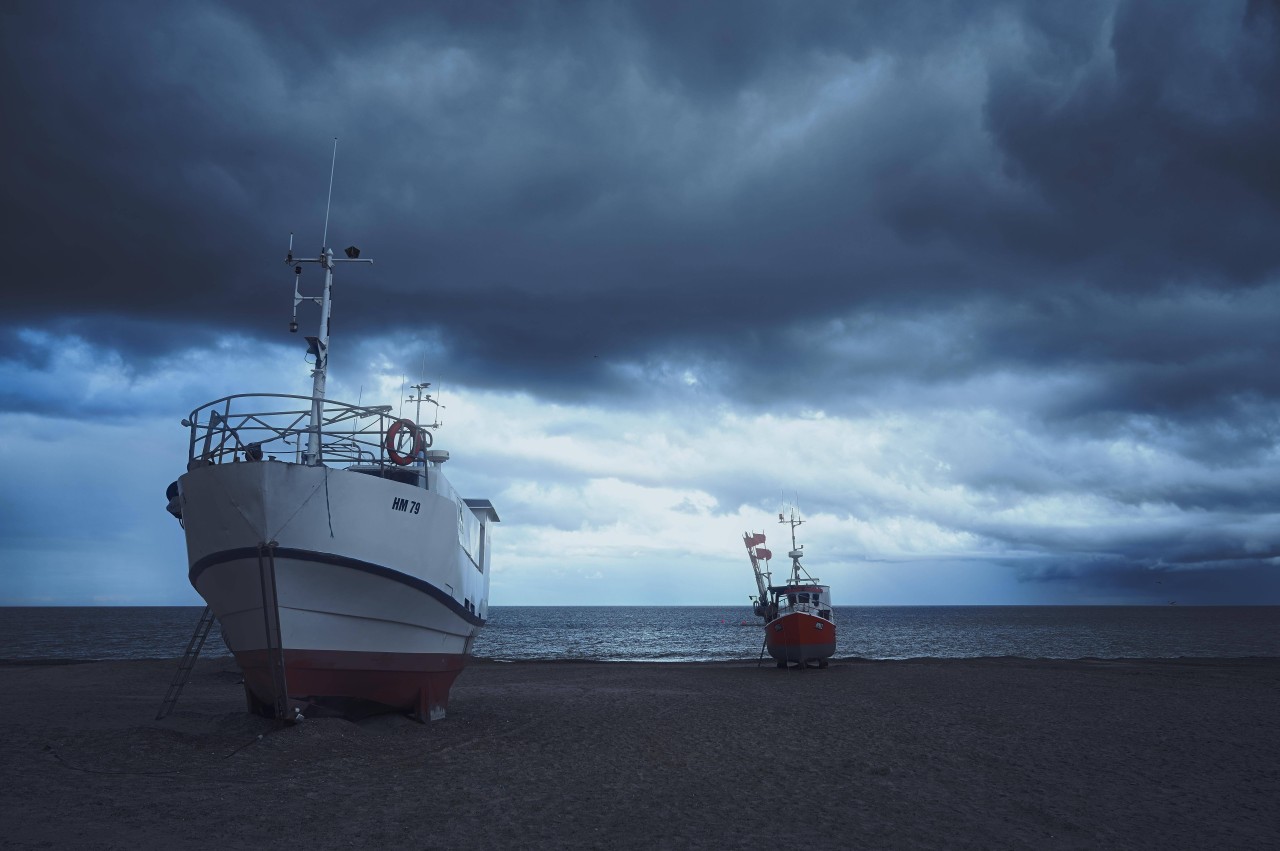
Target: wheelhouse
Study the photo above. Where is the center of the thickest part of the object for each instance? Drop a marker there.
(809, 598)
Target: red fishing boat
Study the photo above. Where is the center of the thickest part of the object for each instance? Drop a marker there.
(799, 626)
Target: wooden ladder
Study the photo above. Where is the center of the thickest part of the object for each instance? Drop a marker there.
(186, 663)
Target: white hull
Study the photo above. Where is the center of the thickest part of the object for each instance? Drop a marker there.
(369, 574)
(324, 606)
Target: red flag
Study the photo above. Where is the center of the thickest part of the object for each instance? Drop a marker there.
(761, 552)
(756, 538)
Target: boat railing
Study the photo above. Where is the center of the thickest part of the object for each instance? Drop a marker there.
(258, 426)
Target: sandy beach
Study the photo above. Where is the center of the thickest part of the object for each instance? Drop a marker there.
(990, 753)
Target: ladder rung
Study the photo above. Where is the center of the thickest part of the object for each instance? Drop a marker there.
(186, 663)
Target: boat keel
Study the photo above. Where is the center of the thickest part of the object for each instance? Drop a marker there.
(354, 684)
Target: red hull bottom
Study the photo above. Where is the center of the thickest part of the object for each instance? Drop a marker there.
(800, 638)
(417, 683)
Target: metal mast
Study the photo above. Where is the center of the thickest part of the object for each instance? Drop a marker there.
(797, 552)
(762, 575)
(319, 344)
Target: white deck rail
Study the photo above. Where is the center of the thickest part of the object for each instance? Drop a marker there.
(254, 426)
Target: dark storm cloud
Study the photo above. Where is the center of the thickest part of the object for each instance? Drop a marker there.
(1064, 213)
(1158, 162)
(1226, 583)
(554, 182)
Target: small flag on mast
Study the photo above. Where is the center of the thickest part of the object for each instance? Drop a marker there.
(755, 539)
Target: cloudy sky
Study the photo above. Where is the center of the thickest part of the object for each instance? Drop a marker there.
(990, 290)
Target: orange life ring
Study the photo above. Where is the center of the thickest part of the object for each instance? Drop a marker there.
(392, 444)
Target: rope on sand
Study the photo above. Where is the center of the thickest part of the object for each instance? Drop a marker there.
(49, 749)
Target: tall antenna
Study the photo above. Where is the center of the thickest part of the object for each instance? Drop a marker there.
(319, 344)
(325, 243)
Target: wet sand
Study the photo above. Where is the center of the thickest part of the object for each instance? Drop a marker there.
(990, 753)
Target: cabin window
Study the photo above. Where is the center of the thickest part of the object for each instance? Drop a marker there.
(469, 532)
(804, 599)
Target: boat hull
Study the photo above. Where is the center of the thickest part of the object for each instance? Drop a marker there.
(360, 603)
(800, 637)
(353, 682)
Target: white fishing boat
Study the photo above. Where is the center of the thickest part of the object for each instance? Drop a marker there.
(342, 566)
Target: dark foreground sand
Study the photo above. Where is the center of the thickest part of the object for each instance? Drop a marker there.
(999, 753)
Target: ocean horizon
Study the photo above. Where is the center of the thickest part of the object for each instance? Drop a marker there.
(713, 633)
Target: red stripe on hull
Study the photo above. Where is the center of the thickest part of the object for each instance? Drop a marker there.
(408, 682)
(800, 637)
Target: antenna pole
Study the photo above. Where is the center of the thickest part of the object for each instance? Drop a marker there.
(329, 203)
(319, 373)
(321, 370)
(319, 344)
(793, 521)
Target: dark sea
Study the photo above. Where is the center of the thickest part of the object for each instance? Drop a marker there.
(708, 633)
